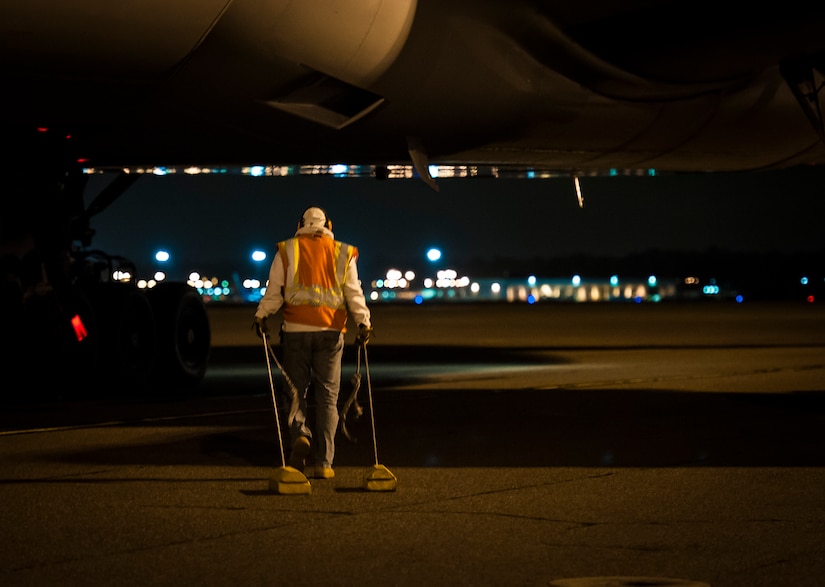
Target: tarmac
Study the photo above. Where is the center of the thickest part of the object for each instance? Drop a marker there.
(564, 446)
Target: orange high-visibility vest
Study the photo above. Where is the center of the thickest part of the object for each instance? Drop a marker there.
(315, 270)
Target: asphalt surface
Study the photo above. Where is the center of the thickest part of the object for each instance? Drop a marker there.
(562, 445)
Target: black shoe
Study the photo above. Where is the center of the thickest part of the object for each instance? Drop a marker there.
(300, 450)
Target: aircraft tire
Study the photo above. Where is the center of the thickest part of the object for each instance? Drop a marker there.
(128, 341)
(44, 349)
(184, 334)
(81, 351)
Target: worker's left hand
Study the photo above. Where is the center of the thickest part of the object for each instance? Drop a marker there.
(259, 326)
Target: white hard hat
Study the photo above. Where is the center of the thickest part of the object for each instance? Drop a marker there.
(314, 217)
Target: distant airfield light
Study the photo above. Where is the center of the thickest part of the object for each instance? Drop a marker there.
(162, 256)
(159, 171)
(614, 280)
(495, 288)
(531, 280)
(258, 255)
(651, 281)
(339, 169)
(577, 280)
(160, 276)
(257, 170)
(433, 171)
(434, 254)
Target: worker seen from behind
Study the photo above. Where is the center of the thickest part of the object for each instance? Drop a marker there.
(314, 280)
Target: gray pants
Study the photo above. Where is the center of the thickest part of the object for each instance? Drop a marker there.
(315, 357)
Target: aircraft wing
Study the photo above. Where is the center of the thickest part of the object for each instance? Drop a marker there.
(568, 86)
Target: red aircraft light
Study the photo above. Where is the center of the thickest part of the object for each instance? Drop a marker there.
(79, 328)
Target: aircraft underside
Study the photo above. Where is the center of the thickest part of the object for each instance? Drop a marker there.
(569, 88)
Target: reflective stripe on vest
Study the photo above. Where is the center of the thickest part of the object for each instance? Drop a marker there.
(315, 269)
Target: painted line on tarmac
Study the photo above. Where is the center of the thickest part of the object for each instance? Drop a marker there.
(127, 422)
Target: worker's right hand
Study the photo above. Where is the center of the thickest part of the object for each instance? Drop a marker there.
(259, 326)
(364, 334)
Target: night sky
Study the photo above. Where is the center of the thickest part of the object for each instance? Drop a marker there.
(213, 222)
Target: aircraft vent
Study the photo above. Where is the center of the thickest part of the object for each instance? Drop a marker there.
(328, 101)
